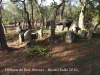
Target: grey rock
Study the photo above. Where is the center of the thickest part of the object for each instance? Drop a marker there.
(89, 34)
(39, 33)
(30, 43)
(27, 35)
(21, 37)
(18, 30)
(82, 33)
(70, 36)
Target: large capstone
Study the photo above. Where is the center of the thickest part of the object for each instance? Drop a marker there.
(70, 36)
(27, 35)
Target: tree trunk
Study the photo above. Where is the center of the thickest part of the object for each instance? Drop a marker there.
(41, 13)
(62, 11)
(96, 26)
(82, 17)
(4, 27)
(28, 20)
(32, 14)
(2, 37)
(15, 19)
(53, 21)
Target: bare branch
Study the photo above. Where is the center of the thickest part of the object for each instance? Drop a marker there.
(80, 1)
(0, 1)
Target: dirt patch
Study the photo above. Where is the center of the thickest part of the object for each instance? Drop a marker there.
(64, 59)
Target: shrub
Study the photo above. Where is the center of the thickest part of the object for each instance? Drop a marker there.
(37, 51)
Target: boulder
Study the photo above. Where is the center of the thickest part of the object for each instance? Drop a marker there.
(39, 32)
(21, 37)
(30, 43)
(70, 36)
(18, 29)
(89, 34)
(27, 35)
(82, 33)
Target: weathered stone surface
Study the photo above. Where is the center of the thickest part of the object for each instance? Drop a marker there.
(70, 36)
(18, 30)
(30, 43)
(65, 23)
(21, 37)
(48, 24)
(73, 27)
(89, 34)
(82, 33)
(59, 27)
(27, 35)
(39, 33)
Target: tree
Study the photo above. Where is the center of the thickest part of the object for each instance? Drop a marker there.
(31, 2)
(40, 10)
(53, 20)
(62, 11)
(3, 42)
(27, 14)
(82, 14)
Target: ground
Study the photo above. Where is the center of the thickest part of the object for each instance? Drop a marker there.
(79, 58)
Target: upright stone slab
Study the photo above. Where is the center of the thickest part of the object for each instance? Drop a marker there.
(39, 33)
(18, 30)
(82, 33)
(21, 37)
(59, 27)
(89, 34)
(27, 35)
(70, 36)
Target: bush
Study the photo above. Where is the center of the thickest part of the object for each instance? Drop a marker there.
(37, 51)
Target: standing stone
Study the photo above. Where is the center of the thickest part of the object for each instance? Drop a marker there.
(27, 35)
(21, 37)
(89, 34)
(70, 36)
(39, 33)
(82, 33)
(19, 28)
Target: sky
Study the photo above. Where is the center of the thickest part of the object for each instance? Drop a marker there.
(49, 1)
(46, 3)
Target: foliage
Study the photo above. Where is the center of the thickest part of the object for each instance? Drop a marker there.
(98, 45)
(90, 56)
(40, 42)
(37, 51)
(93, 69)
(87, 43)
(79, 60)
